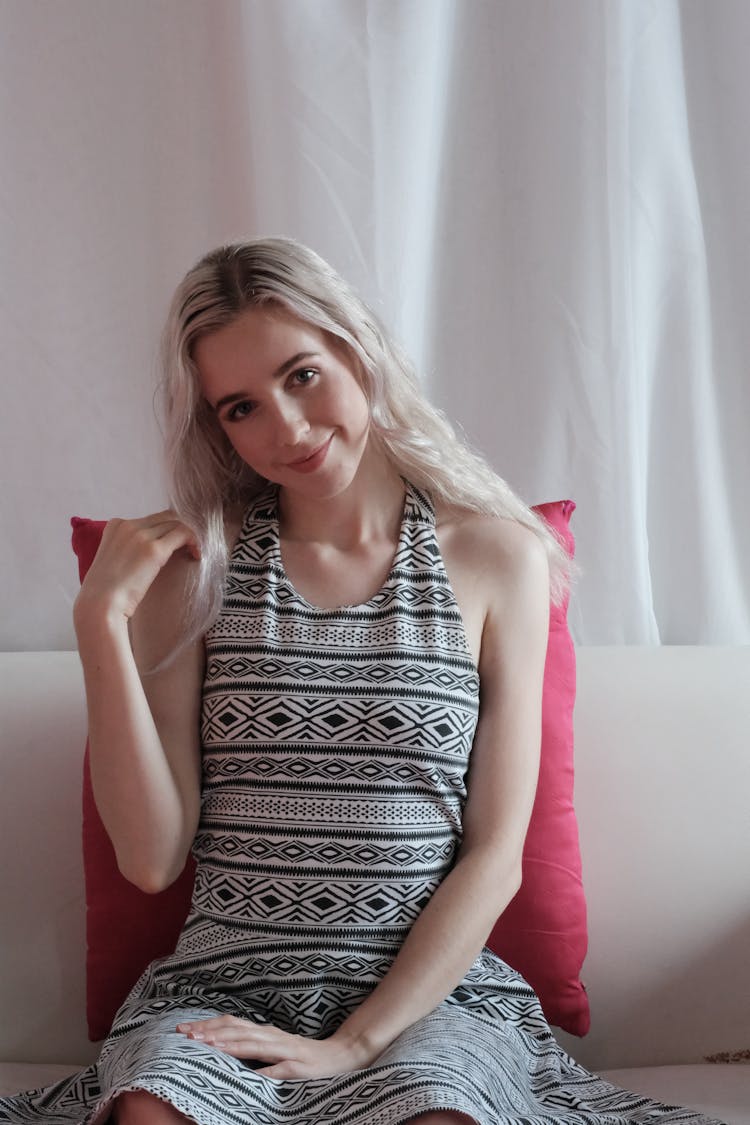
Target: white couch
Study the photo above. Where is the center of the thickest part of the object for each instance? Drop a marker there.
(663, 793)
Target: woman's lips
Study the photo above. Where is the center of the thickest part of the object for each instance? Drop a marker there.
(313, 460)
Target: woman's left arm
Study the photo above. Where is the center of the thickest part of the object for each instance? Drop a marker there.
(502, 779)
(510, 598)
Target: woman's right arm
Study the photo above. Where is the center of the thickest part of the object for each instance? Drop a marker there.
(144, 727)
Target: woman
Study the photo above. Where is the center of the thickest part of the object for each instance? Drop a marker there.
(312, 728)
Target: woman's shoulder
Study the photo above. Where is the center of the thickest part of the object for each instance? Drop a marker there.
(499, 574)
(488, 544)
(157, 626)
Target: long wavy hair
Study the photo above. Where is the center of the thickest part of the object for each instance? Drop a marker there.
(206, 473)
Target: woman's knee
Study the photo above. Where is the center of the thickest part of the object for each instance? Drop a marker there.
(442, 1117)
(136, 1107)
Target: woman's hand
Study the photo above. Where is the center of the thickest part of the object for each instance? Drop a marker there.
(288, 1056)
(130, 556)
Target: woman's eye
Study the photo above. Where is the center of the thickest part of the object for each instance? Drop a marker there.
(304, 375)
(238, 411)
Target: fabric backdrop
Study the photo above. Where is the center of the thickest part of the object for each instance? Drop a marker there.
(546, 201)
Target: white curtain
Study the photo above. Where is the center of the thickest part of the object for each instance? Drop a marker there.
(547, 202)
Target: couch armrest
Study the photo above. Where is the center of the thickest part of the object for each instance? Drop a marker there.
(662, 785)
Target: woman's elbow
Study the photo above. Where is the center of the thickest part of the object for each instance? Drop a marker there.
(506, 878)
(498, 875)
(515, 878)
(506, 885)
(150, 877)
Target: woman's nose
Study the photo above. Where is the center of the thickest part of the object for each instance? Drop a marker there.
(291, 424)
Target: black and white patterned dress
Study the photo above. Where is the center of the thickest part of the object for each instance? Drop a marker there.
(335, 747)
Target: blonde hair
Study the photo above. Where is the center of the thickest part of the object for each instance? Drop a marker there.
(206, 473)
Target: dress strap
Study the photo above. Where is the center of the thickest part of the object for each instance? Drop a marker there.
(418, 505)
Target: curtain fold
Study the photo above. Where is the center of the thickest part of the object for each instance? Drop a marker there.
(546, 202)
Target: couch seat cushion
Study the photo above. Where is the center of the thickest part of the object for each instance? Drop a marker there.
(721, 1091)
(15, 1077)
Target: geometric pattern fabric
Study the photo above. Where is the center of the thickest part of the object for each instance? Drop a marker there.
(335, 750)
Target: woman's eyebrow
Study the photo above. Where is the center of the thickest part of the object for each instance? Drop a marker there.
(236, 396)
(295, 359)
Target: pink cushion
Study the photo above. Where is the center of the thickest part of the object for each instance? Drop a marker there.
(542, 933)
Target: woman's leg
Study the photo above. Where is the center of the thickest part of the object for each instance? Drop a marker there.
(139, 1108)
(442, 1117)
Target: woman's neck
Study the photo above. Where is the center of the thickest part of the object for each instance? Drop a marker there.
(370, 508)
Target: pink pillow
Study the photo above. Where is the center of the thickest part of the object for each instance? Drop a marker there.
(542, 933)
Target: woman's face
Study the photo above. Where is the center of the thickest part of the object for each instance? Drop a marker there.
(287, 399)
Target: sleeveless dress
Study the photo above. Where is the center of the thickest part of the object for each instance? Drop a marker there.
(335, 748)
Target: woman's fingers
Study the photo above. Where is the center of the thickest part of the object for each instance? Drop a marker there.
(171, 537)
(245, 1039)
(165, 515)
(261, 1040)
(156, 526)
(130, 556)
(287, 1055)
